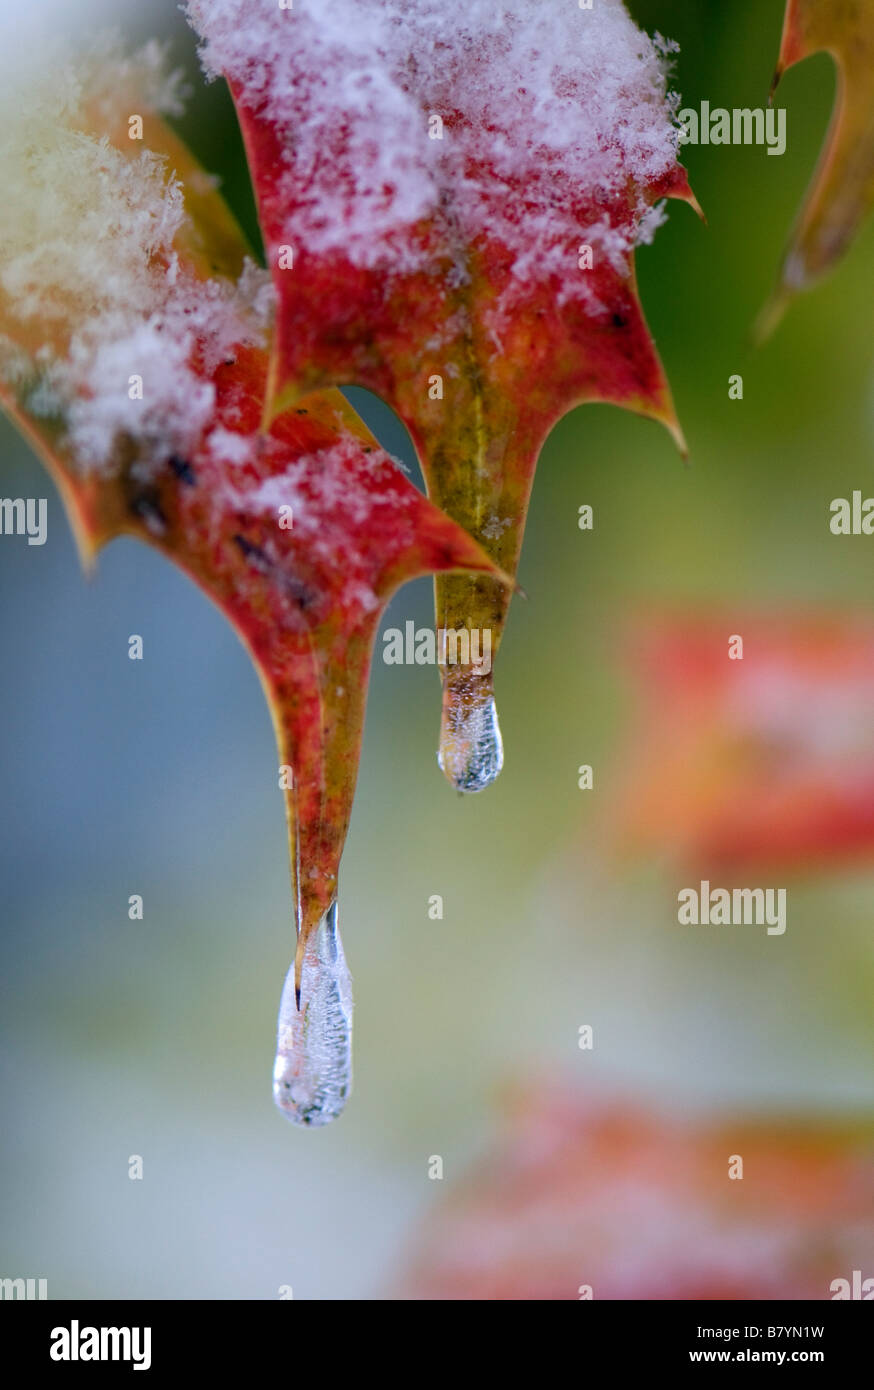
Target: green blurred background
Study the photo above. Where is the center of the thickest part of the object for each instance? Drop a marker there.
(158, 777)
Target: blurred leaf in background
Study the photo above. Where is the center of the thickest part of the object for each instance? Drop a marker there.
(582, 1198)
(764, 759)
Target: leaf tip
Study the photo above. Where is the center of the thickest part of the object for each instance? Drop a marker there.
(668, 417)
(689, 197)
(770, 315)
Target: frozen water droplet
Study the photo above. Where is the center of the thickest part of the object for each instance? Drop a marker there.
(471, 750)
(312, 1075)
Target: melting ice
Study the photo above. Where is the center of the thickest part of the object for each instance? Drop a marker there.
(312, 1075)
(471, 750)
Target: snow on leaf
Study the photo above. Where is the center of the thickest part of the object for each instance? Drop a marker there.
(134, 357)
(842, 191)
(450, 198)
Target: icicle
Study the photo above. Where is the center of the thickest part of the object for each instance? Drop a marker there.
(471, 752)
(312, 1075)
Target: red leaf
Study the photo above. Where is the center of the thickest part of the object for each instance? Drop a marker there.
(580, 1199)
(306, 598)
(768, 760)
(842, 191)
(413, 265)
